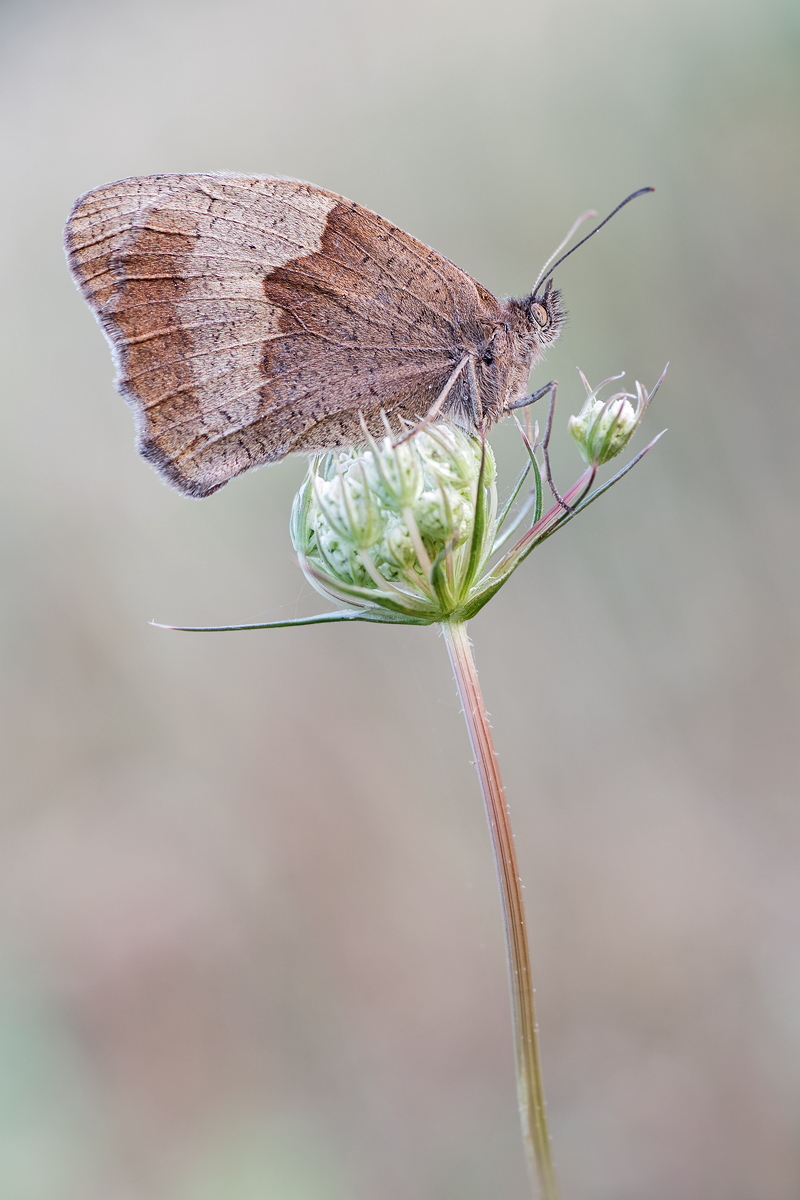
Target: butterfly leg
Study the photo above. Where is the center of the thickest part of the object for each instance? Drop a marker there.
(437, 405)
(534, 396)
(552, 388)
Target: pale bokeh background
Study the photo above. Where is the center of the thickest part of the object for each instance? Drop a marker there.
(250, 945)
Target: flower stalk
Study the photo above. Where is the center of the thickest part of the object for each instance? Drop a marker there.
(530, 1091)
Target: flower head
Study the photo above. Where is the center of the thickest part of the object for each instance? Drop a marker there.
(392, 524)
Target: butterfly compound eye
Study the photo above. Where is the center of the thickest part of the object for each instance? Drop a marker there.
(539, 314)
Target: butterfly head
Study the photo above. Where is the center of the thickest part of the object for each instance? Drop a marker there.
(545, 314)
(504, 352)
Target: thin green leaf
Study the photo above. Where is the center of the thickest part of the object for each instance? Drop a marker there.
(438, 578)
(318, 619)
(478, 528)
(537, 516)
(370, 596)
(515, 524)
(531, 449)
(513, 496)
(535, 498)
(298, 521)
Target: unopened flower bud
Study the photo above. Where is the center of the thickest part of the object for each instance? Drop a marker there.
(453, 458)
(394, 472)
(603, 429)
(350, 506)
(443, 515)
(397, 548)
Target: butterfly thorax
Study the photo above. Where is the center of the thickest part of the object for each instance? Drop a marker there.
(504, 352)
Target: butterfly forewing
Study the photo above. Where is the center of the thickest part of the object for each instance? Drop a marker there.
(250, 317)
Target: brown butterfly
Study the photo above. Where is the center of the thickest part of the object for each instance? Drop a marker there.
(251, 317)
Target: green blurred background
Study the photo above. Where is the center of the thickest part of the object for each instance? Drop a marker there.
(250, 944)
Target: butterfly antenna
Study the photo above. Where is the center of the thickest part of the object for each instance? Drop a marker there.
(548, 270)
(590, 212)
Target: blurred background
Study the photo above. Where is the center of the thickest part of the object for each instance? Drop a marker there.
(250, 942)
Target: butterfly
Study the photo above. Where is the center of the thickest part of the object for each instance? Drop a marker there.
(253, 317)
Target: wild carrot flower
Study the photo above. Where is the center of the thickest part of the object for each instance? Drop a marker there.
(411, 532)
